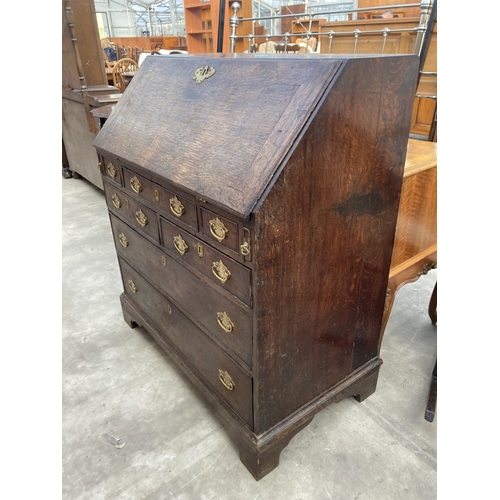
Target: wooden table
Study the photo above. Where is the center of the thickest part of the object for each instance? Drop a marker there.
(415, 245)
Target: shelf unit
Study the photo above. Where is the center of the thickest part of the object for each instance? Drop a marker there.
(202, 25)
(201, 20)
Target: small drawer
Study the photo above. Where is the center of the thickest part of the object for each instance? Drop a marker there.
(221, 269)
(214, 366)
(219, 229)
(138, 185)
(139, 216)
(219, 315)
(112, 171)
(176, 206)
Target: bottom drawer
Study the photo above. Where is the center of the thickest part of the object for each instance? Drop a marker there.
(217, 369)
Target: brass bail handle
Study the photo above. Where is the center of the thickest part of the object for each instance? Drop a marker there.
(226, 380)
(218, 229)
(136, 185)
(141, 218)
(225, 322)
(220, 271)
(180, 245)
(176, 206)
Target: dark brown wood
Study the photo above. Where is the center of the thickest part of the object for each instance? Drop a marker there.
(307, 191)
(433, 305)
(430, 411)
(87, 42)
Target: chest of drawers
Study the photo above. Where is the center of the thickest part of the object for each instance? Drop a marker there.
(253, 204)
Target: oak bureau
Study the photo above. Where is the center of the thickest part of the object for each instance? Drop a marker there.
(253, 203)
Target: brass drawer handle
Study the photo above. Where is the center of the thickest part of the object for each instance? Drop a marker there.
(136, 185)
(116, 201)
(180, 245)
(226, 380)
(132, 286)
(225, 322)
(220, 271)
(218, 229)
(141, 218)
(111, 170)
(123, 240)
(176, 206)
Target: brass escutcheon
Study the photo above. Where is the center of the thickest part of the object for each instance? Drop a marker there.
(141, 218)
(180, 245)
(218, 229)
(123, 240)
(226, 379)
(111, 170)
(116, 201)
(163, 260)
(132, 286)
(136, 185)
(157, 195)
(200, 249)
(202, 73)
(176, 206)
(220, 271)
(225, 322)
(169, 309)
(245, 249)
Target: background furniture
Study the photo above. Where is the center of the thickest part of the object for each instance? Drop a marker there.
(240, 269)
(146, 43)
(84, 84)
(371, 36)
(203, 21)
(123, 66)
(415, 244)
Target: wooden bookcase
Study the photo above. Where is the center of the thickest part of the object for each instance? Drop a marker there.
(202, 25)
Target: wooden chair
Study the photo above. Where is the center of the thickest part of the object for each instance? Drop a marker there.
(123, 66)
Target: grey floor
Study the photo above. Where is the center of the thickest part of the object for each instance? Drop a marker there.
(119, 387)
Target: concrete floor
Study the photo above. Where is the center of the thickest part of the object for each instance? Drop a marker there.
(117, 383)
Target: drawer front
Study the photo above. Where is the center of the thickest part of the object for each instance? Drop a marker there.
(217, 370)
(141, 217)
(219, 229)
(223, 319)
(112, 171)
(215, 265)
(174, 205)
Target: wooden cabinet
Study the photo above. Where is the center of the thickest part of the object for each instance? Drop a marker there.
(84, 83)
(253, 203)
(415, 243)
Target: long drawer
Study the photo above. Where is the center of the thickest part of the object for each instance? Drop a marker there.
(216, 368)
(222, 318)
(215, 265)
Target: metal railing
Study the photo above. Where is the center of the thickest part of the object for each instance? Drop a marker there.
(420, 30)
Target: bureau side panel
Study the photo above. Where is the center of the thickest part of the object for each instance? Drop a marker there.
(324, 237)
